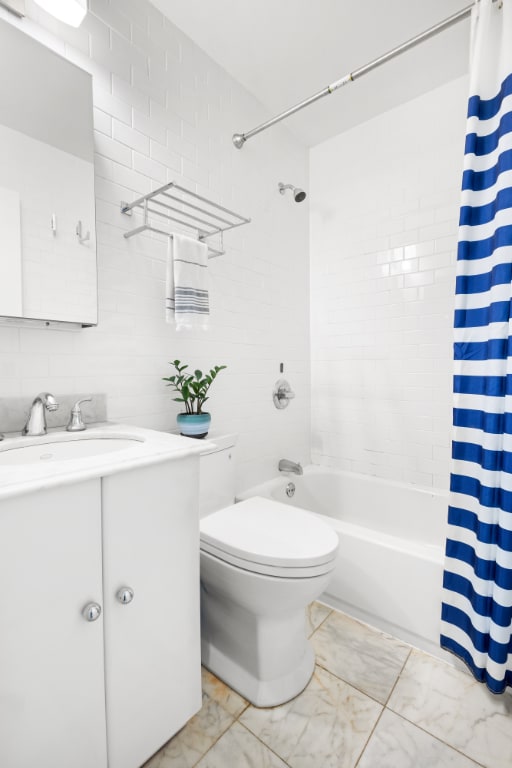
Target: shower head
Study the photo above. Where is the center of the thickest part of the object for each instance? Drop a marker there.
(298, 194)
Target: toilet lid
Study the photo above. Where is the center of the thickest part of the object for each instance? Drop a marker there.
(266, 532)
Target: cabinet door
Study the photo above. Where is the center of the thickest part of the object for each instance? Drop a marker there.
(152, 644)
(52, 710)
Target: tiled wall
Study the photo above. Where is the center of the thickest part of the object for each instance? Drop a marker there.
(384, 217)
(164, 111)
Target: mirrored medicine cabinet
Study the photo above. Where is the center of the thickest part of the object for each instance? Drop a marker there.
(47, 212)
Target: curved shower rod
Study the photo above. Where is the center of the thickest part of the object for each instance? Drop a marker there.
(239, 139)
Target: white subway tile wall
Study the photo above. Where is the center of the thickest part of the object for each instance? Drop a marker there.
(164, 111)
(384, 217)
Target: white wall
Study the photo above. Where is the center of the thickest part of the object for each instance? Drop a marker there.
(384, 217)
(164, 111)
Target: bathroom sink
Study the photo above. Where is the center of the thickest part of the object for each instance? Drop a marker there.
(30, 463)
(64, 450)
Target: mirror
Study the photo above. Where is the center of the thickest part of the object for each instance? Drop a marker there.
(47, 215)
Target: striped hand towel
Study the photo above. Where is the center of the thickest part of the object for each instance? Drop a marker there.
(186, 293)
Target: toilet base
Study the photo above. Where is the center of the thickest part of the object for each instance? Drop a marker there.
(260, 693)
(253, 630)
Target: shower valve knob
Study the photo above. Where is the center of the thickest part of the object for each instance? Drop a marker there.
(282, 394)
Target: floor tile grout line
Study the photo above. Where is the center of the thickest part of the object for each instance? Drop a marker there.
(236, 719)
(424, 730)
(246, 727)
(373, 630)
(437, 738)
(421, 728)
(246, 707)
(398, 677)
(369, 736)
(216, 740)
(310, 637)
(355, 687)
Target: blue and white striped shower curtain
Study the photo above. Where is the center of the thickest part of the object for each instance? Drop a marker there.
(477, 597)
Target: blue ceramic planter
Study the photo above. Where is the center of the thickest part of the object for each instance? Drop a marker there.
(194, 424)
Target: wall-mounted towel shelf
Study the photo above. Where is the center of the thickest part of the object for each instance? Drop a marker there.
(207, 218)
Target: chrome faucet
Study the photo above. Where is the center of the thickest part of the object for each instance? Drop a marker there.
(36, 422)
(285, 465)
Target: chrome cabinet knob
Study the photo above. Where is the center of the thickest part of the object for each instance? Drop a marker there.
(125, 595)
(91, 611)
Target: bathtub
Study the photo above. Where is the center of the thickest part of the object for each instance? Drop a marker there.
(390, 560)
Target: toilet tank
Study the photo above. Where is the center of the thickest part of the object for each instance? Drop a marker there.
(217, 474)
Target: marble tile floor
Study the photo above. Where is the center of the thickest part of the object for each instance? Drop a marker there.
(373, 702)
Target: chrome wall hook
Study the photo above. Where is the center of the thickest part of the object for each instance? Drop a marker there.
(81, 238)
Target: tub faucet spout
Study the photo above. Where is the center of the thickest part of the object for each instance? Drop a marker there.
(36, 422)
(285, 465)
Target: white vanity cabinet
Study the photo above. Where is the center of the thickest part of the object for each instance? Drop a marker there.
(52, 708)
(111, 691)
(152, 643)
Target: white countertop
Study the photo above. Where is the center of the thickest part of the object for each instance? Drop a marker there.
(150, 447)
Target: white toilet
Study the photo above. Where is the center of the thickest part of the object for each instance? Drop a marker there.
(262, 562)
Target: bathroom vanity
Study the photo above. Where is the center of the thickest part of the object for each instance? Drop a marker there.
(99, 596)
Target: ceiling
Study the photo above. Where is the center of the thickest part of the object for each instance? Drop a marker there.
(284, 51)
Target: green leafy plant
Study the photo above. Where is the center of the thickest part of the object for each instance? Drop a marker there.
(192, 388)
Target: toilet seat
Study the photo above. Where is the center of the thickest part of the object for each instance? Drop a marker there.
(270, 538)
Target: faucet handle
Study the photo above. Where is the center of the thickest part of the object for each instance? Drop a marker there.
(82, 400)
(76, 422)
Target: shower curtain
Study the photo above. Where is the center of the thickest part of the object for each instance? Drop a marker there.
(477, 596)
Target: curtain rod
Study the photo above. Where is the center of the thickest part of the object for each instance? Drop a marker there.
(239, 139)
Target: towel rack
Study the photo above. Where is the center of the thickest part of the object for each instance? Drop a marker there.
(206, 221)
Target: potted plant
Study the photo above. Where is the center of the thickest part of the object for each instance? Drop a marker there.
(192, 390)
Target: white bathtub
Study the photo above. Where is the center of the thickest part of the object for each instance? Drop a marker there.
(390, 560)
